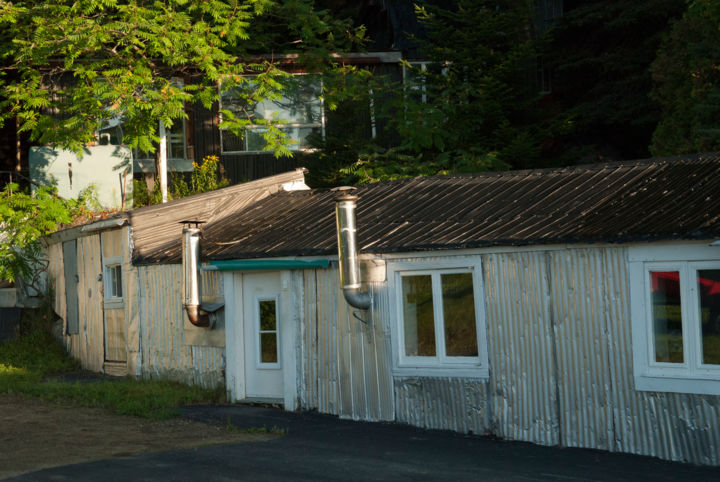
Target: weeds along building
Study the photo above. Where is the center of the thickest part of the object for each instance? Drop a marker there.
(577, 307)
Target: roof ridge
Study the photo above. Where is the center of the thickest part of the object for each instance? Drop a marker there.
(597, 166)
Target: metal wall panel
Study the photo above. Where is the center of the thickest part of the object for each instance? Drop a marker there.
(165, 353)
(327, 345)
(458, 404)
(523, 380)
(347, 361)
(673, 426)
(309, 348)
(579, 312)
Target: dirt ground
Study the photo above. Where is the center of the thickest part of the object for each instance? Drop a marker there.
(36, 435)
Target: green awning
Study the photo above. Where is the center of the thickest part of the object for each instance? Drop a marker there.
(264, 264)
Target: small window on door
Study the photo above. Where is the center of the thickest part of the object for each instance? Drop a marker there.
(268, 333)
(113, 282)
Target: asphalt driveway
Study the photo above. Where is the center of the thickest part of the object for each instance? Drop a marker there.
(318, 447)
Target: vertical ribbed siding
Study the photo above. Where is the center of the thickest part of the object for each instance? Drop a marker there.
(88, 345)
(382, 347)
(347, 361)
(455, 404)
(165, 353)
(580, 310)
(671, 426)
(309, 349)
(523, 381)
(327, 349)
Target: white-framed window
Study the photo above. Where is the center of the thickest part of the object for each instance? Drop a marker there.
(113, 281)
(439, 319)
(268, 346)
(300, 108)
(675, 309)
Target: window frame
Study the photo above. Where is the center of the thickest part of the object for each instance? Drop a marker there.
(690, 376)
(259, 364)
(291, 125)
(441, 364)
(110, 300)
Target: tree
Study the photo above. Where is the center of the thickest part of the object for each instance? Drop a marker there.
(24, 218)
(73, 66)
(687, 83)
(599, 53)
(473, 105)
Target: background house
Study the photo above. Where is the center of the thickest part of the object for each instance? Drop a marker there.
(569, 307)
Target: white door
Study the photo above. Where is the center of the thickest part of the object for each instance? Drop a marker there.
(263, 331)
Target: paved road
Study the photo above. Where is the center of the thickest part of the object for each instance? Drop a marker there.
(318, 447)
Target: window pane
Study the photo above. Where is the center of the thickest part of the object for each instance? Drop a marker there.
(268, 348)
(709, 288)
(255, 140)
(117, 281)
(268, 320)
(667, 316)
(459, 314)
(231, 142)
(418, 317)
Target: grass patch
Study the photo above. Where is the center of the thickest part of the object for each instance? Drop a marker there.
(27, 361)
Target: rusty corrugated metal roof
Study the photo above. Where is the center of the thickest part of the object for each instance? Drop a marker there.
(655, 199)
(157, 232)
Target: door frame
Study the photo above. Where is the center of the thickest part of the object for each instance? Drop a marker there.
(235, 382)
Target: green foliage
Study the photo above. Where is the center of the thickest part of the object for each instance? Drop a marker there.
(205, 177)
(475, 100)
(27, 361)
(25, 218)
(97, 60)
(599, 53)
(471, 108)
(687, 83)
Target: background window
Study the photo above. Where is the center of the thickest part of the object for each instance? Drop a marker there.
(299, 109)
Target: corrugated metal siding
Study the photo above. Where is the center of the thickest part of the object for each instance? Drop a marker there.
(560, 357)
(671, 426)
(347, 370)
(309, 348)
(456, 404)
(580, 307)
(164, 350)
(327, 350)
(523, 379)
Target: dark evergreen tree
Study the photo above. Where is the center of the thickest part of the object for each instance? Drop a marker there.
(687, 83)
(599, 54)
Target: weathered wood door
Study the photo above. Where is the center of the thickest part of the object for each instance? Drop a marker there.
(114, 302)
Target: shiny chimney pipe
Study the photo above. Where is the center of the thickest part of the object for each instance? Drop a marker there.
(347, 248)
(191, 274)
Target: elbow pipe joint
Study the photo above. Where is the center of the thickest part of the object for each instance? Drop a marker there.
(197, 316)
(356, 298)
